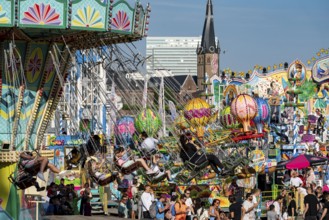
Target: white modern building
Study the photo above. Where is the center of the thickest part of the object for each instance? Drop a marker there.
(175, 54)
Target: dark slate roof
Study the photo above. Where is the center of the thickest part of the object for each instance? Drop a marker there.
(208, 42)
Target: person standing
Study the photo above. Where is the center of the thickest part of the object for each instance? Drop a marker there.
(325, 213)
(146, 199)
(85, 195)
(292, 206)
(256, 200)
(235, 209)
(134, 200)
(277, 206)
(122, 209)
(161, 208)
(202, 212)
(271, 214)
(214, 210)
(248, 208)
(189, 204)
(311, 205)
(181, 208)
(295, 180)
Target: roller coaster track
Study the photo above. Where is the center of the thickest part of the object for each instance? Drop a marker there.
(52, 102)
(38, 97)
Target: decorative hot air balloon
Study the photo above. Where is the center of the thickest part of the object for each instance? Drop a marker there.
(198, 112)
(244, 108)
(125, 129)
(181, 122)
(263, 114)
(226, 119)
(148, 121)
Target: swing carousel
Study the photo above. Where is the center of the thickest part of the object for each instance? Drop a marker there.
(37, 40)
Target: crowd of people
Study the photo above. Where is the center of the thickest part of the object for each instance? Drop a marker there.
(305, 199)
(63, 200)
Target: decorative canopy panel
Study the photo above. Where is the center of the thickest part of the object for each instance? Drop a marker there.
(82, 23)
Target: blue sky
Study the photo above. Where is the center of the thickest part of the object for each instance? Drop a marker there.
(263, 32)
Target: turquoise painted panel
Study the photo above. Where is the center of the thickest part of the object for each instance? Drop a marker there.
(89, 15)
(35, 61)
(10, 88)
(6, 13)
(43, 14)
(122, 18)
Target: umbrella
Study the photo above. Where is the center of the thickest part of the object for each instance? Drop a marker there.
(302, 161)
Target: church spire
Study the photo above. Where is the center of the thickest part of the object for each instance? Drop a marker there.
(208, 42)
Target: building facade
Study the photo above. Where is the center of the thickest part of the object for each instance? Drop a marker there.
(176, 54)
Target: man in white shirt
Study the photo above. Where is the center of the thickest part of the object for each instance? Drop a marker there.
(248, 208)
(189, 204)
(146, 199)
(149, 144)
(295, 181)
(256, 200)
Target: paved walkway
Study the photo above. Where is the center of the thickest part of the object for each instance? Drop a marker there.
(78, 217)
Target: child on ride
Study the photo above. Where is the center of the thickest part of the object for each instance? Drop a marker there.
(122, 160)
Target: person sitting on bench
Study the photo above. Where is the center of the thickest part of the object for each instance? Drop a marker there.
(189, 152)
(122, 160)
(28, 161)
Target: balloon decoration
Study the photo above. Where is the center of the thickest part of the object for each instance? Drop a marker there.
(226, 119)
(263, 114)
(148, 121)
(198, 112)
(125, 128)
(244, 108)
(181, 122)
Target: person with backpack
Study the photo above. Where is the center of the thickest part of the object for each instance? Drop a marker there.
(158, 211)
(171, 214)
(146, 199)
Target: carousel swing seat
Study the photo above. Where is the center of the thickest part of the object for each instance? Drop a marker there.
(129, 169)
(156, 179)
(106, 181)
(33, 170)
(22, 181)
(74, 158)
(196, 167)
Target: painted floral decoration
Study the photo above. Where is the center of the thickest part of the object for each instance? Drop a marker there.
(121, 21)
(41, 15)
(88, 17)
(3, 18)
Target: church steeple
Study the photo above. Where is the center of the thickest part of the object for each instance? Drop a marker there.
(208, 42)
(208, 53)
